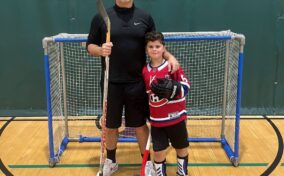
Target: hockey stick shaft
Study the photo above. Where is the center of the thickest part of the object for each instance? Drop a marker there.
(146, 155)
(103, 13)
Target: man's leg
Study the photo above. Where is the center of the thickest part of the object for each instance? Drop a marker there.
(142, 136)
(113, 122)
(110, 165)
(136, 113)
(111, 143)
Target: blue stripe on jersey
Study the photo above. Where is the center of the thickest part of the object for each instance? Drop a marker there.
(185, 89)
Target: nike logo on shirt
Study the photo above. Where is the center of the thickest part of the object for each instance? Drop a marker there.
(136, 23)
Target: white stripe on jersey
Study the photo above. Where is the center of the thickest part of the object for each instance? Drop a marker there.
(182, 91)
(167, 118)
(176, 101)
(165, 64)
(185, 83)
(161, 67)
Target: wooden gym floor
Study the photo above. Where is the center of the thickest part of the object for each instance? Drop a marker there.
(24, 152)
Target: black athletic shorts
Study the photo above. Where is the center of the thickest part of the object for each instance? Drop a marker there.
(131, 96)
(175, 134)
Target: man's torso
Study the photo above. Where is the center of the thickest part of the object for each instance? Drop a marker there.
(128, 28)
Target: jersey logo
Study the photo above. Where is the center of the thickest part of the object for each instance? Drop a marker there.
(136, 23)
(155, 101)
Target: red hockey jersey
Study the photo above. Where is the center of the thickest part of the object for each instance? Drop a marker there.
(162, 111)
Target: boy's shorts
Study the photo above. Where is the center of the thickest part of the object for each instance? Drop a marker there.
(175, 134)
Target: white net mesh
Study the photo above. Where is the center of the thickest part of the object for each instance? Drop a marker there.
(210, 64)
(212, 68)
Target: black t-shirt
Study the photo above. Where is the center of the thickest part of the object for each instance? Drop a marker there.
(128, 29)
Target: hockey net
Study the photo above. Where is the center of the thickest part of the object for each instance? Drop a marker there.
(211, 61)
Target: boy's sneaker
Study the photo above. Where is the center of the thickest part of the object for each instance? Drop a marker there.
(182, 167)
(149, 169)
(109, 167)
(160, 169)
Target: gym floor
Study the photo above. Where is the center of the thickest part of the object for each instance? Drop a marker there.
(24, 152)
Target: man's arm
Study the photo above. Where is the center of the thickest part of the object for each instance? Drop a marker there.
(173, 63)
(104, 50)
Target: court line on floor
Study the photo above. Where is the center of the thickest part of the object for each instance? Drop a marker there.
(138, 164)
(3, 168)
(20, 119)
(279, 154)
(270, 168)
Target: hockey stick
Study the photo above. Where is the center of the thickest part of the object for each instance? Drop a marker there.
(102, 11)
(145, 155)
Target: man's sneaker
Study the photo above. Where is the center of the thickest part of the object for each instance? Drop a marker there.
(149, 169)
(109, 167)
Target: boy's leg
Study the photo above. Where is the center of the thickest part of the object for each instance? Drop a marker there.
(182, 161)
(160, 168)
(160, 145)
(178, 137)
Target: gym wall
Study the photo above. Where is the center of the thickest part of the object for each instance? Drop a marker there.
(25, 23)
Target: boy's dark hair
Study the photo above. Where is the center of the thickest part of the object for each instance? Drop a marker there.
(153, 36)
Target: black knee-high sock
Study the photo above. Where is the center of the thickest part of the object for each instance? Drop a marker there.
(111, 154)
(185, 157)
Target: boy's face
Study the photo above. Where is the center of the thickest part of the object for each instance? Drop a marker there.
(155, 49)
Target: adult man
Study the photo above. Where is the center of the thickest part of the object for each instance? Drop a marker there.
(127, 58)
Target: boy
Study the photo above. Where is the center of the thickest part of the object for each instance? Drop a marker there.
(168, 114)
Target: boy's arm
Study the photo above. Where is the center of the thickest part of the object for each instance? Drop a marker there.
(183, 80)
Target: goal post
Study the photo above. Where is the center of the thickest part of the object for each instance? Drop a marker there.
(212, 61)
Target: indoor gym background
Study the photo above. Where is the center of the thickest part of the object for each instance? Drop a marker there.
(22, 85)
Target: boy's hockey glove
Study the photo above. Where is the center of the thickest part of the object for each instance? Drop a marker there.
(165, 88)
